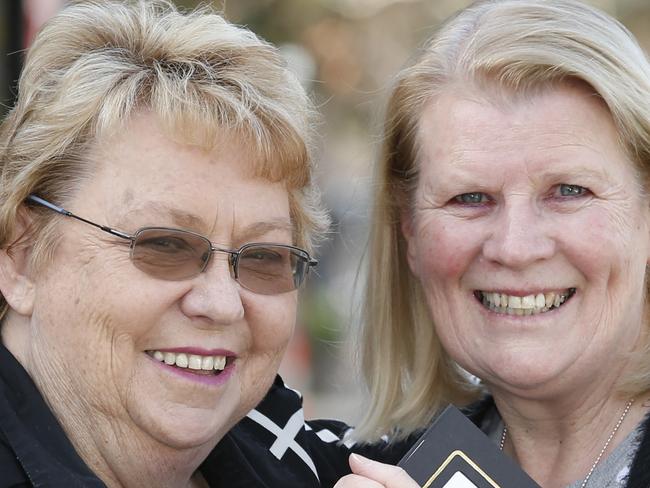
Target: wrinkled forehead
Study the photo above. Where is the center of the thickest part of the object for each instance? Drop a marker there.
(627, 140)
(272, 158)
(488, 92)
(505, 93)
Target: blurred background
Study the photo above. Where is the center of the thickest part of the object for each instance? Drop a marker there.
(345, 52)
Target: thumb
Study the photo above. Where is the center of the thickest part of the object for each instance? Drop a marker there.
(386, 474)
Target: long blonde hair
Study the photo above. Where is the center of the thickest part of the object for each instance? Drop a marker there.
(517, 45)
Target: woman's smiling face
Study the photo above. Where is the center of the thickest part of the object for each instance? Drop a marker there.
(100, 327)
(530, 236)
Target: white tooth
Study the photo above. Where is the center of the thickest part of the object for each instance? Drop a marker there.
(519, 311)
(496, 299)
(181, 360)
(170, 358)
(514, 302)
(194, 361)
(536, 310)
(528, 302)
(159, 356)
(219, 362)
(504, 300)
(548, 299)
(207, 363)
(556, 301)
(528, 311)
(510, 311)
(539, 300)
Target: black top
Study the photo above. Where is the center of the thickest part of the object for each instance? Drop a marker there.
(272, 447)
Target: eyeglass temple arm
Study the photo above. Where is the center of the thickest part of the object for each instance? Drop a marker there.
(67, 213)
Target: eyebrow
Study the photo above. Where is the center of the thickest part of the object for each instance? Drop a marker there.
(583, 171)
(258, 229)
(180, 218)
(190, 221)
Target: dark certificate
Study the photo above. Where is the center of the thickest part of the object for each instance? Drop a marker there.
(454, 453)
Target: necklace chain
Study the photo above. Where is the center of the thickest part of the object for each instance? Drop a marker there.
(504, 435)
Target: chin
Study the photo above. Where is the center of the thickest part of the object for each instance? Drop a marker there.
(192, 437)
(521, 378)
(185, 428)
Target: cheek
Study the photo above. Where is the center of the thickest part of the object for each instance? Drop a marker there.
(272, 326)
(92, 320)
(442, 251)
(271, 320)
(608, 244)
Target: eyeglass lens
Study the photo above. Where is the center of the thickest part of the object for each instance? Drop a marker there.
(172, 254)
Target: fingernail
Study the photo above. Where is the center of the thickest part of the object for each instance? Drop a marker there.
(358, 458)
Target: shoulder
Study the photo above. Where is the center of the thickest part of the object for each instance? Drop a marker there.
(34, 450)
(11, 472)
(274, 446)
(480, 410)
(639, 476)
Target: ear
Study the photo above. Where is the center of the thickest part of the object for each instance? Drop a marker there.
(16, 283)
(407, 226)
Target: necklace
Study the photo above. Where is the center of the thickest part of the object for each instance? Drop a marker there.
(504, 435)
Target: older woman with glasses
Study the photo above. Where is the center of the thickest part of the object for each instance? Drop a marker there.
(156, 220)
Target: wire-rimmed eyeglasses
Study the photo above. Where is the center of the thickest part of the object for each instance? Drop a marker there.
(177, 254)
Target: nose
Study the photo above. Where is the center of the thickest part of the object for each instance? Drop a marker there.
(519, 236)
(215, 295)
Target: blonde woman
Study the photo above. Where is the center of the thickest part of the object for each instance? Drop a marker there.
(156, 219)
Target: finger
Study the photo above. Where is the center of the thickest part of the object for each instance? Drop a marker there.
(385, 474)
(356, 481)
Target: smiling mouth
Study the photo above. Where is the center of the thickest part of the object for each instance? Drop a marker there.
(502, 303)
(193, 363)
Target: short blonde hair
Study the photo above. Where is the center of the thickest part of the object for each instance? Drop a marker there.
(516, 46)
(98, 62)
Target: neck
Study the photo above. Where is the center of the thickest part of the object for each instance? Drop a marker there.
(558, 450)
(121, 457)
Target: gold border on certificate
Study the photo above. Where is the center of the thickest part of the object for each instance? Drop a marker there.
(459, 453)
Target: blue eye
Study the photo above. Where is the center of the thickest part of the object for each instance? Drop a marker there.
(473, 198)
(571, 190)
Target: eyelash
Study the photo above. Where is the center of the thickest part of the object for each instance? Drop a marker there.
(477, 198)
(484, 198)
(581, 190)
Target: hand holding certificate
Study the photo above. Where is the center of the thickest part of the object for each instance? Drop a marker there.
(452, 453)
